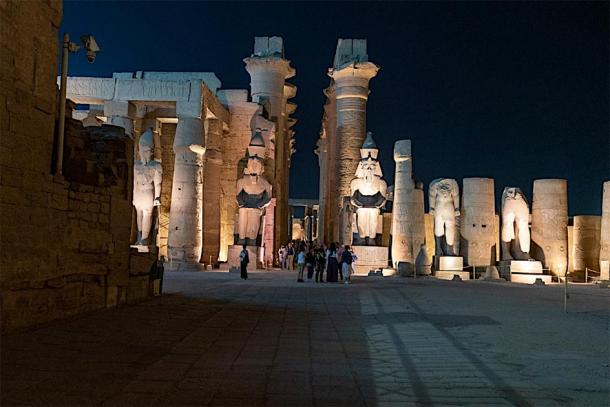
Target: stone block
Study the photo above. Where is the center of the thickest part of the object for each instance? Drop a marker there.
(530, 278)
(370, 258)
(449, 275)
(451, 263)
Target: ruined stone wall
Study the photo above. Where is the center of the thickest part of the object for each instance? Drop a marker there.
(64, 239)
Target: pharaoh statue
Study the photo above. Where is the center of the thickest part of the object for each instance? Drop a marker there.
(444, 200)
(368, 191)
(146, 186)
(254, 192)
(515, 225)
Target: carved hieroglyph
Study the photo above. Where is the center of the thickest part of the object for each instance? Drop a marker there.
(604, 253)
(408, 232)
(444, 200)
(147, 177)
(368, 191)
(478, 221)
(550, 224)
(515, 224)
(253, 192)
(586, 242)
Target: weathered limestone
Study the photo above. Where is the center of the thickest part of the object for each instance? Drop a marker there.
(146, 187)
(444, 200)
(604, 253)
(331, 202)
(586, 242)
(404, 221)
(253, 193)
(478, 221)
(351, 73)
(550, 224)
(322, 153)
(185, 230)
(268, 72)
(368, 192)
(515, 225)
(211, 191)
(234, 145)
(120, 113)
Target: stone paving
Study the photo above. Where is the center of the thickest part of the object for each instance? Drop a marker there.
(214, 339)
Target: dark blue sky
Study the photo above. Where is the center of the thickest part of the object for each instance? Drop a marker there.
(512, 91)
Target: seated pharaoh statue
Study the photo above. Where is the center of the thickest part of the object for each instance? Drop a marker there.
(515, 243)
(444, 199)
(146, 186)
(253, 193)
(368, 192)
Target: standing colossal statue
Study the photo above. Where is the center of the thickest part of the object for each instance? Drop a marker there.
(515, 225)
(368, 191)
(444, 200)
(146, 186)
(253, 192)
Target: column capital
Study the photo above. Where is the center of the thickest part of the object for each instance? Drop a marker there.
(255, 65)
(189, 135)
(402, 150)
(352, 80)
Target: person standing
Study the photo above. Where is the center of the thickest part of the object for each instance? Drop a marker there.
(301, 263)
(244, 259)
(282, 255)
(309, 263)
(332, 266)
(346, 264)
(290, 257)
(320, 264)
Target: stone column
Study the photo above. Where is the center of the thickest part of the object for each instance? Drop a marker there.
(322, 153)
(352, 91)
(234, 146)
(211, 191)
(550, 224)
(586, 238)
(268, 72)
(604, 253)
(185, 219)
(478, 222)
(402, 250)
(329, 126)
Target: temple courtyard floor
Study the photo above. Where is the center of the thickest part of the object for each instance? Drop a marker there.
(214, 339)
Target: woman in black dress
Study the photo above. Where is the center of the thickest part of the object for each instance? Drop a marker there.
(332, 265)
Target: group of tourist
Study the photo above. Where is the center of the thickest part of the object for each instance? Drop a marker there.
(335, 260)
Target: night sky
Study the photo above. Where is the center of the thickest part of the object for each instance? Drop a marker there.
(512, 91)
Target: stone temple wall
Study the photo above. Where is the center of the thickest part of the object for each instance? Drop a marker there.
(168, 131)
(64, 239)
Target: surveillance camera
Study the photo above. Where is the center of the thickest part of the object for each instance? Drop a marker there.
(91, 46)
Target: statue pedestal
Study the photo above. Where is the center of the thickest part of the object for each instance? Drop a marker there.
(449, 266)
(370, 258)
(233, 257)
(522, 271)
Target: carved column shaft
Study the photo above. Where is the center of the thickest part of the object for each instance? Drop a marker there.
(604, 253)
(478, 224)
(550, 224)
(185, 230)
(211, 192)
(403, 205)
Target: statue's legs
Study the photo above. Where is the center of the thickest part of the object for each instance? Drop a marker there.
(524, 235)
(146, 222)
(508, 226)
(249, 223)
(450, 234)
(139, 222)
(439, 232)
(367, 222)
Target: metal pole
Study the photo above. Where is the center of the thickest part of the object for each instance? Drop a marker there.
(62, 105)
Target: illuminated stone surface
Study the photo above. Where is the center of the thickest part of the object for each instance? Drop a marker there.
(515, 225)
(444, 200)
(478, 221)
(586, 242)
(550, 224)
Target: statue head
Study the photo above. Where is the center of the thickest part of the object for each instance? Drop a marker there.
(368, 169)
(145, 145)
(369, 148)
(514, 193)
(256, 154)
(444, 187)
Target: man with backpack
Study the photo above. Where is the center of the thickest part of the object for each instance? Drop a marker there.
(244, 259)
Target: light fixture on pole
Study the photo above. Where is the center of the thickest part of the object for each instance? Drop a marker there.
(90, 45)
